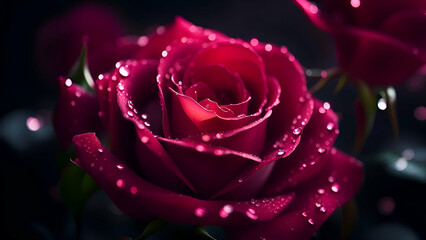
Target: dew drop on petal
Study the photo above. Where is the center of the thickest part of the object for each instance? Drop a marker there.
(200, 212)
(145, 139)
(326, 105)
(68, 82)
(251, 213)
(280, 152)
(305, 214)
(120, 166)
(160, 30)
(297, 132)
(133, 190)
(355, 3)
(130, 113)
(254, 42)
(78, 94)
(120, 183)
(34, 124)
(330, 126)
(205, 138)
(120, 87)
(268, 47)
(164, 53)
(313, 9)
(100, 150)
(321, 191)
(321, 151)
(143, 41)
(225, 211)
(200, 148)
(330, 179)
(335, 187)
(311, 221)
(124, 71)
(144, 116)
(323, 209)
(73, 103)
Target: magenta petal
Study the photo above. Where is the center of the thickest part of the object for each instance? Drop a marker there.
(295, 108)
(308, 158)
(164, 36)
(139, 198)
(75, 113)
(238, 57)
(148, 149)
(315, 201)
(202, 163)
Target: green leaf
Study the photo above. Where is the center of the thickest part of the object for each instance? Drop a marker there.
(80, 73)
(153, 227)
(365, 121)
(341, 83)
(201, 232)
(76, 187)
(396, 165)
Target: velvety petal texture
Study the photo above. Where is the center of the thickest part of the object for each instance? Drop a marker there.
(381, 42)
(204, 129)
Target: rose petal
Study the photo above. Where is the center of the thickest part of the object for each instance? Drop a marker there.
(164, 36)
(295, 108)
(315, 201)
(152, 157)
(307, 159)
(75, 113)
(209, 168)
(139, 198)
(200, 91)
(237, 57)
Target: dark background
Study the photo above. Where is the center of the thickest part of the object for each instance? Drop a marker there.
(391, 204)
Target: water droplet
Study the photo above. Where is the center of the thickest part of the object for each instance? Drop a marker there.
(313, 9)
(124, 71)
(326, 105)
(321, 191)
(254, 42)
(200, 148)
(280, 152)
(100, 150)
(240, 180)
(311, 221)
(330, 126)
(401, 164)
(100, 114)
(160, 30)
(78, 94)
(120, 183)
(323, 209)
(305, 214)
(130, 113)
(268, 47)
(68, 82)
(321, 151)
(212, 37)
(34, 123)
(218, 152)
(226, 211)
(120, 87)
(133, 190)
(322, 110)
(200, 212)
(318, 205)
(205, 138)
(100, 77)
(144, 116)
(355, 3)
(301, 99)
(297, 131)
(143, 41)
(335, 187)
(120, 166)
(73, 103)
(381, 104)
(164, 53)
(147, 124)
(145, 139)
(251, 213)
(330, 179)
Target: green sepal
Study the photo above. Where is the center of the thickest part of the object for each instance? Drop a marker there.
(80, 73)
(202, 233)
(76, 187)
(368, 101)
(152, 227)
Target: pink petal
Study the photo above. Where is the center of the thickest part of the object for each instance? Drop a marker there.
(75, 113)
(315, 201)
(139, 198)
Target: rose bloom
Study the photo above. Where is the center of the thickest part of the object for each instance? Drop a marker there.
(382, 42)
(205, 129)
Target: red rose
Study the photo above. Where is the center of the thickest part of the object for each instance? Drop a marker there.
(210, 130)
(382, 42)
